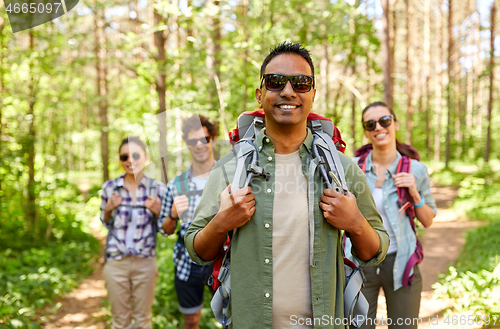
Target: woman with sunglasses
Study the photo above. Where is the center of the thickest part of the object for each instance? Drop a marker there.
(380, 165)
(130, 207)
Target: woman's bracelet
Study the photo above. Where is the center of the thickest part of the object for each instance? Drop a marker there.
(422, 202)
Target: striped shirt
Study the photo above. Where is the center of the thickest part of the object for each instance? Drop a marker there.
(142, 240)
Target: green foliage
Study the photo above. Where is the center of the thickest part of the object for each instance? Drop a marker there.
(33, 270)
(479, 195)
(29, 279)
(448, 177)
(474, 281)
(472, 291)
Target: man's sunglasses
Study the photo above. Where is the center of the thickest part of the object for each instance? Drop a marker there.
(275, 82)
(135, 156)
(384, 121)
(194, 141)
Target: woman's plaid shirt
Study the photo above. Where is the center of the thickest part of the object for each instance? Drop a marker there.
(147, 225)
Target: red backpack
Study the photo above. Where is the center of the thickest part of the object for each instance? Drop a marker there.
(246, 118)
(405, 202)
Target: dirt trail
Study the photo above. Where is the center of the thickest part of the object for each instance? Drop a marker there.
(82, 308)
(442, 243)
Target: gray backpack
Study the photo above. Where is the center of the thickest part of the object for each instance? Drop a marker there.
(327, 142)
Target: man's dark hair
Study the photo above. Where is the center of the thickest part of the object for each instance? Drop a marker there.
(288, 48)
(193, 123)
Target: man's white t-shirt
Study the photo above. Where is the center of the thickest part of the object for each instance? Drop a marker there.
(291, 276)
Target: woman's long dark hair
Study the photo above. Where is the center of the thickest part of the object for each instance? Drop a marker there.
(402, 148)
(135, 140)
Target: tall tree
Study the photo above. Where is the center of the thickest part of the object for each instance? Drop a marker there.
(161, 88)
(214, 61)
(470, 80)
(427, 74)
(386, 55)
(478, 73)
(352, 64)
(451, 80)
(246, 31)
(491, 70)
(2, 25)
(30, 141)
(438, 82)
(102, 84)
(409, 69)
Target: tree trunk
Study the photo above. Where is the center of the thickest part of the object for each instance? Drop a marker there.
(353, 122)
(137, 31)
(409, 69)
(352, 64)
(427, 72)
(491, 69)
(246, 28)
(2, 25)
(30, 147)
(478, 73)
(470, 105)
(102, 88)
(70, 165)
(386, 55)
(324, 67)
(450, 81)
(392, 44)
(470, 84)
(84, 130)
(161, 88)
(438, 81)
(335, 114)
(213, 53)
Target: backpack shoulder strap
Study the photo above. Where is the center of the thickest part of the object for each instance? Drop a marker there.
(246, 164)
(362, 161)
(181, 184)
(405, 200)
(330, 165)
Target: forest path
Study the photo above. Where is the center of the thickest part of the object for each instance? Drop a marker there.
(82, 307)
(441, 243)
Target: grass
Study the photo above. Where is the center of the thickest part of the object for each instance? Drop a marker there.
(38, 265)
(31, 278)
(474, 280)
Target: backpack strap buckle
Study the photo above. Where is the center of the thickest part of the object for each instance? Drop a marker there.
(223, 274)
(316, 126)
(253, 168)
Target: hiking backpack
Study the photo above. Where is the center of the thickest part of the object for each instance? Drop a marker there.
(327, 141)
(405, 203)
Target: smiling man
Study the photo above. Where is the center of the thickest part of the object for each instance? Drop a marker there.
(182, 196)
(273, 283)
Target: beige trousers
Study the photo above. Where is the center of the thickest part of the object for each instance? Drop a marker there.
(131, 285)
